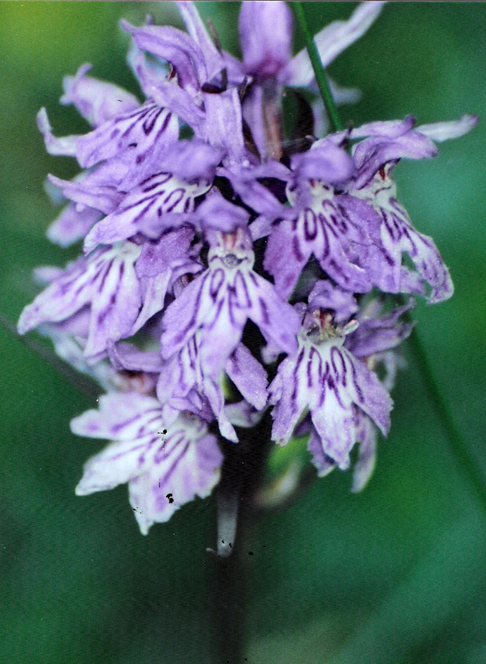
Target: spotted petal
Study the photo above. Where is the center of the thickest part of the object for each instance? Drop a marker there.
(166, 466)
(329, 381)
(321, 228)
(156, 202)
(219, 302)
(105, 282)
(144, 130)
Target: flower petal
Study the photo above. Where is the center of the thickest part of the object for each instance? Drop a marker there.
(166, 465)
(175, 47)
(249, 376)
(106, 282)
(147, 208)
(121, 417)
(223, 126)
(144, 130)
(189, 470)
(266, 37)
(443, 131)
(72, 224)
(197, 30)
(97, 101)
(65, 147)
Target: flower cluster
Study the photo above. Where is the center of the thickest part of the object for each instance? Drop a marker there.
(197, 217)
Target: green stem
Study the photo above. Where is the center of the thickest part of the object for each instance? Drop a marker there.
(449, 428)
(317, 66)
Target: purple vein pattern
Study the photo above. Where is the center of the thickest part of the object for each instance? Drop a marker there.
(212, 245)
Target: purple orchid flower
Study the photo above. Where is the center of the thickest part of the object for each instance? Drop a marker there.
(106, 283)
(184, 380)
(165, 466)
(97, 101)
(175, 231)
(321, 227)
(375, 158)
(374, 342)
(267, 59)
(328, 380)
(222, 299)
(159, 203)
(214, 115)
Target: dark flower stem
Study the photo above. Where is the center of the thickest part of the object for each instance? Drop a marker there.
(457, 445)
(320, 74)
(242, 472)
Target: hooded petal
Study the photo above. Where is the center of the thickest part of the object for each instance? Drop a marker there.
(325, 161)
(174, 46)
(216, 213)
(166, 94)
(197, 30)
(266, 37)
(329, 297)
(373, 153)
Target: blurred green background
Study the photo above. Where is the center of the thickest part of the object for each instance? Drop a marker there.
(395, 575)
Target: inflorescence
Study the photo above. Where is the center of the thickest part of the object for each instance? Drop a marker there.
(211, 255)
